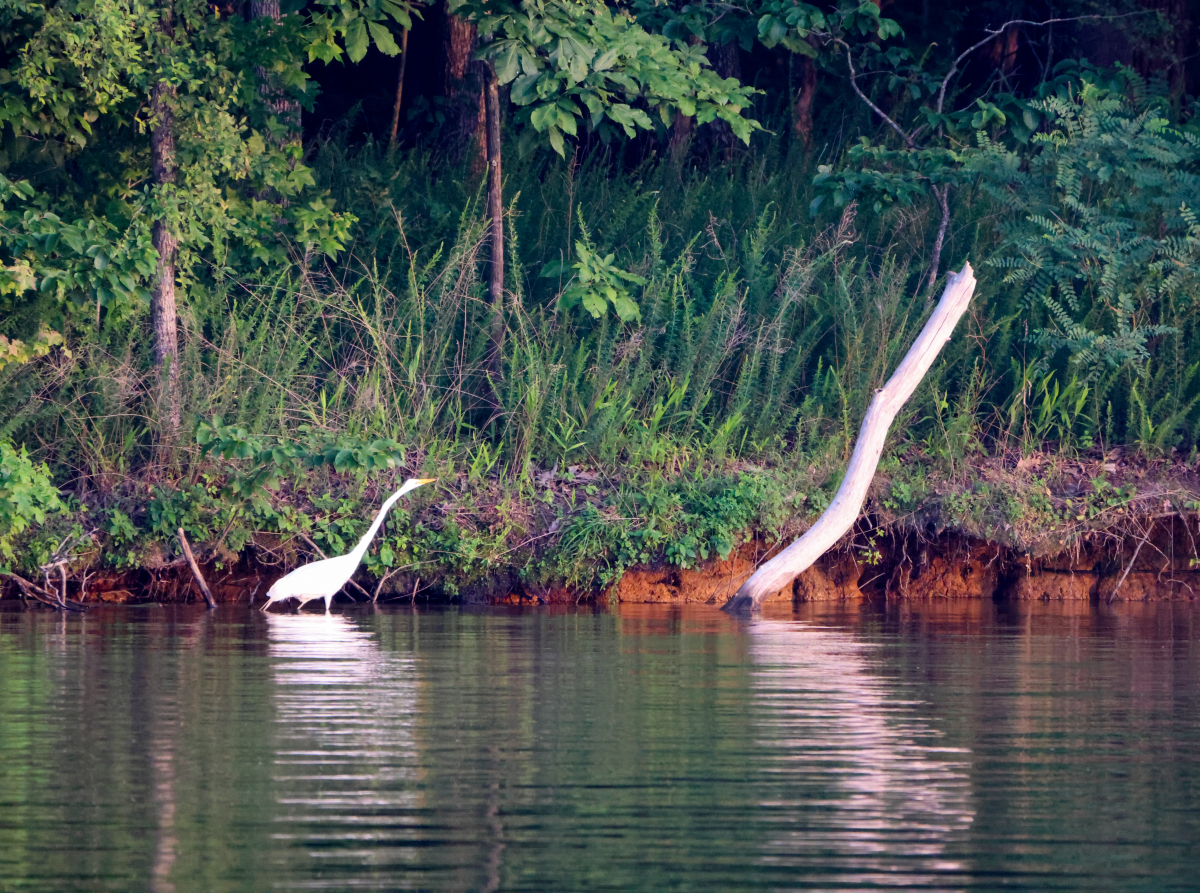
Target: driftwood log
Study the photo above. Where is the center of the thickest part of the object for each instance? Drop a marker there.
(191, 560)
(781, 570)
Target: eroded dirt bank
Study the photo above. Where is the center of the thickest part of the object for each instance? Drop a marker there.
(1160, 564)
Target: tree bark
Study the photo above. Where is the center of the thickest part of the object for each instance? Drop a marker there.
(399, 91)
(781, 570)
(802, 108)
(275, 98)
(680, 141)
(163, 318)
(943, 197)
(463, 82)
(496, 216)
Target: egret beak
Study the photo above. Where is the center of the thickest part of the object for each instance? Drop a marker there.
(426, 480)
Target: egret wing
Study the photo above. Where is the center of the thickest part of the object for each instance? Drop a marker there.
(316, 580)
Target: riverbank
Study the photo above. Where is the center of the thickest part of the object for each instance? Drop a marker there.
(1089, 526)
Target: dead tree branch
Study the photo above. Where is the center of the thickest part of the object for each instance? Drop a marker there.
(191, 560)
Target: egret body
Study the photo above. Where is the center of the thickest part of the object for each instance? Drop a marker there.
(323, 579)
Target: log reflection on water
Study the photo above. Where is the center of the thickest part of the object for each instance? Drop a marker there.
(864, 792)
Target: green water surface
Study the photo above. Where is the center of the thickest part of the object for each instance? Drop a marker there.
(933, 746)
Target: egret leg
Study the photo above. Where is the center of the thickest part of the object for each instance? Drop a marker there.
(328, 601)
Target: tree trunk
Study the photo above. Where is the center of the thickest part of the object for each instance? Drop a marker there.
(275, 98)
(496, 216)
(781, 570)
(727, 62)
(802, 108)
(463, 86)
(943, 198)
(399, 91)
(680, 141)
(162, 293)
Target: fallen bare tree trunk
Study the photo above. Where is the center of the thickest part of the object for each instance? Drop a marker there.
(781, 570)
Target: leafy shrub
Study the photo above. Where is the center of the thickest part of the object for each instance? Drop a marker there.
(26, 496)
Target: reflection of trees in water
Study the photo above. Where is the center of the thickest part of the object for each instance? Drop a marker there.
(862, 794)
(345, 764)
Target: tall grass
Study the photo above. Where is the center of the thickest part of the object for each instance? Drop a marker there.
(763, 334)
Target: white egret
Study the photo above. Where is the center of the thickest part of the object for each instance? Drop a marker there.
(323, 579)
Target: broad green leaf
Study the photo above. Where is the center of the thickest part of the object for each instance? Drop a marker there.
(508, 65)
(356, 40)
(594, 304)
(626, 309)
(384, 41)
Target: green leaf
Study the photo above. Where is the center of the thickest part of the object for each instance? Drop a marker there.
(523, 90)
(626, 308)
(508, 65)
(383, 39)
(594, 303)
(356, 40)
(605, 60)
(578, 68)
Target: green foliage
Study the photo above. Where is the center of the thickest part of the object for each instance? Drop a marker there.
(598, 283)
(260, 464)
(359, 24)
(78, 250)
(27, 496)
(583, 66)
(1106, 240)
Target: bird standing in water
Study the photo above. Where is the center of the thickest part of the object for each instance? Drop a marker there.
(323, 579)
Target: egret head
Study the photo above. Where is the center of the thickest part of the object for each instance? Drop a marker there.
(412, 484)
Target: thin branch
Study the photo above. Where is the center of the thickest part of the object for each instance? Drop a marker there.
(993, 34)
(382, 580)
(943, 196)
(1132, 561)
(863, 96)
(45, 597)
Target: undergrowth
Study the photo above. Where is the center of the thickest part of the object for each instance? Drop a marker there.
(686, 358)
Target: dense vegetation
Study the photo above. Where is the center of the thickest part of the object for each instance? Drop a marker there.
(623, 277)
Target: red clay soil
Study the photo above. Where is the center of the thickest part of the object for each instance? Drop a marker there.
(1160, 565)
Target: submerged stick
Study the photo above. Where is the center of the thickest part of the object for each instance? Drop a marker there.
(781, 570)
(37, 593)
(191, 560)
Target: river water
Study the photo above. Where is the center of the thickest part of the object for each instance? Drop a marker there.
(939, 746)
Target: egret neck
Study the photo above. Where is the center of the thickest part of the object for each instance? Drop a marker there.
(363, 544)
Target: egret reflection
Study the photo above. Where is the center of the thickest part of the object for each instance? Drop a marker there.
(345, 764)
(870, 796)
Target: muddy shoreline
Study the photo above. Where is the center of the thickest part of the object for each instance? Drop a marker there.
(1160, 564)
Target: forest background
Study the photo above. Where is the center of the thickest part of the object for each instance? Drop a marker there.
(622, 276)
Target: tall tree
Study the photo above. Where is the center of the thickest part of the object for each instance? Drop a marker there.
(163, 320)
(577, 67)
(276, 96)
(186, 181)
